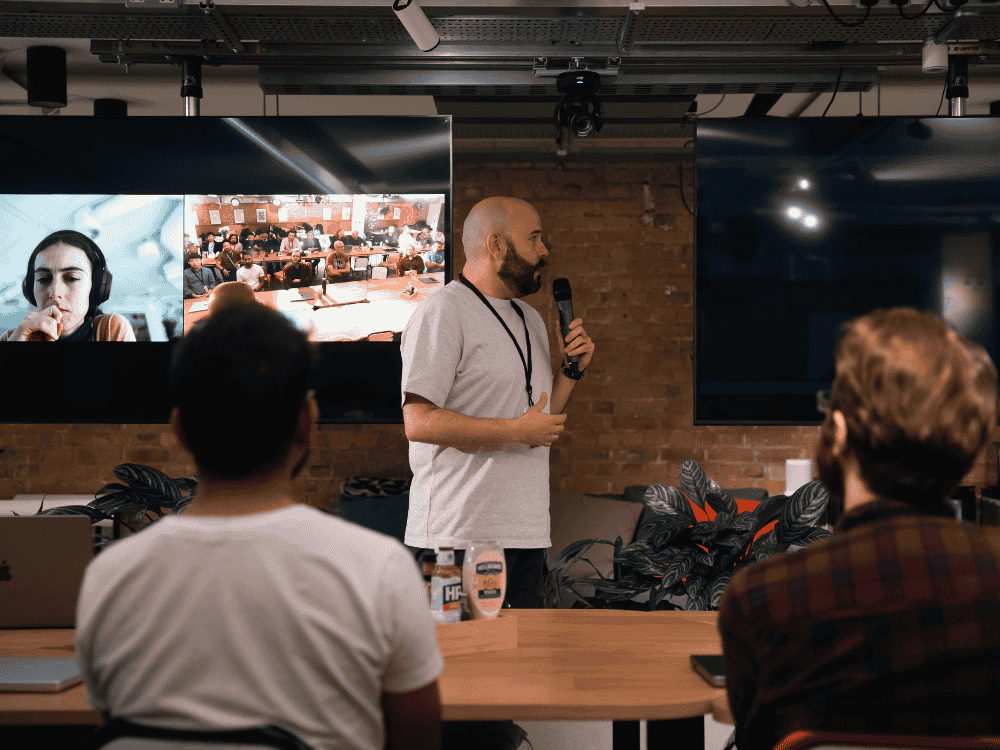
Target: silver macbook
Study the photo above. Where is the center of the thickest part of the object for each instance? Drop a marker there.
(42, 559)
(41, 674)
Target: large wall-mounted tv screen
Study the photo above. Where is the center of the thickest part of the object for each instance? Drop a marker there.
(119, 231)
(804, 224)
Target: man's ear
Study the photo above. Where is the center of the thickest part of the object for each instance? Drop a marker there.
(839, 433)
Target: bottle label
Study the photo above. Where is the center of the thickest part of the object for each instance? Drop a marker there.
(488, 579)
(446, 599)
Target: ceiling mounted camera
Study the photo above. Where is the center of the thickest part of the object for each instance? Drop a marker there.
(578, 109)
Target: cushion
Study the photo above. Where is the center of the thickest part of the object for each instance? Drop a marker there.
(576, 517)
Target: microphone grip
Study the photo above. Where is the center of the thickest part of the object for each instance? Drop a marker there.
(565, 318)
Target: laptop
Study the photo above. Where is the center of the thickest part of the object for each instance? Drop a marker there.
(42, 559)
(37, 674)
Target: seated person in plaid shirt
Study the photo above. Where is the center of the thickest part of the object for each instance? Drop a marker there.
(892, 625)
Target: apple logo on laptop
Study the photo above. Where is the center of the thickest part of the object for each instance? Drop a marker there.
(4, 571)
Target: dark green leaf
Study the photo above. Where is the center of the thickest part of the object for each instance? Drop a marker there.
(574, 552)
(745, 521)
(665, 531)
(704, 532)
(114, 486)
(76, 510)
(717, 590)
(720, 500)
(641, 562)
(770, 508)
(767, 541)
(679, 568)
(119, 501)
(699, 601)
(805, 505)
(614, 590)
(657, 595)
(731, 538)
(704, 558)
(693, 585)
(186, 484)
(149, 480)
(693, 482)
(668, 501)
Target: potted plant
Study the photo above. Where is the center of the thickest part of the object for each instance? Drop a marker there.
(147, 494)
(677, 555)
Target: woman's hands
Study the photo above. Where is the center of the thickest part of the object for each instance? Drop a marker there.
(46, 325)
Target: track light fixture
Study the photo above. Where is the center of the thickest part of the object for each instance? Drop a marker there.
(935, 56)
(416, 23)
(578, 109)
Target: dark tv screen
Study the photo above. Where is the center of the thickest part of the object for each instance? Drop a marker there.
(802, 225)
(141, 188)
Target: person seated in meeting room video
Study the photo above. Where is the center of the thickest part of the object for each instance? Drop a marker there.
(338, 264)
(290, 243)
(227, 261)
(298, 272)
(344, 656)
(434, 258)
(198, 281)
(892, 625)
(66, 281)
(391, 238)
(250, 273)
(354, 240)
(410, 262)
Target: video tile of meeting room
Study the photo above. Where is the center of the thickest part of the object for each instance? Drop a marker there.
(135, 237)
(341, 267)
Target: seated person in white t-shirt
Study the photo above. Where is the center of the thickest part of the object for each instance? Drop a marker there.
(273, 612)
(250, 273)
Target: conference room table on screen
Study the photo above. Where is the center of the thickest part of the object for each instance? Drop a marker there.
(287, 257)
(342, 314)
(569, 665)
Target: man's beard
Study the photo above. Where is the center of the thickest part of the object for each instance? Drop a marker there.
(519, 273)
(830, 469)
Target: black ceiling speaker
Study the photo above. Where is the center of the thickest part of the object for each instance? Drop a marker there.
(111, 109)
(47, 77)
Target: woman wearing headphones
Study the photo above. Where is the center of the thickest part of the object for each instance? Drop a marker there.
(66, 281)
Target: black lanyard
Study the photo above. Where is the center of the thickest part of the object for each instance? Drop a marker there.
(201, 277)
(527, 338)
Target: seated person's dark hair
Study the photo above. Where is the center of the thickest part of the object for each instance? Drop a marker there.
(262, 359)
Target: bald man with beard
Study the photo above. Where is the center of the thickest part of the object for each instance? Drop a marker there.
(479, 435)
(481, 409)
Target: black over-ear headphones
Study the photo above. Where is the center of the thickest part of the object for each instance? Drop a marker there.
(100, 276)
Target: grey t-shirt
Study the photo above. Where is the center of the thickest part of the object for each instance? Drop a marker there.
(458, 356)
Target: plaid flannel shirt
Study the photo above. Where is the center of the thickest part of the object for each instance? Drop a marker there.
(890, 626)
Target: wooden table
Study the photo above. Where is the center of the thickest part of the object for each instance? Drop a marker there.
(570, 665)
(328, 318)
(596, 665)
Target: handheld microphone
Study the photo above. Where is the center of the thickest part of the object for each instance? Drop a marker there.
(564, 302)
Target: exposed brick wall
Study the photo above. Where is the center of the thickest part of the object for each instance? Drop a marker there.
(622, 235)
